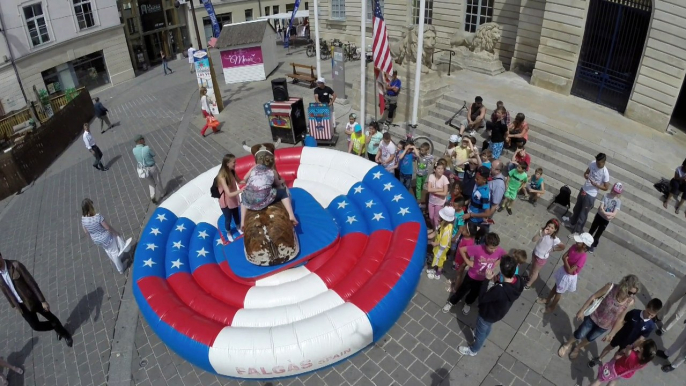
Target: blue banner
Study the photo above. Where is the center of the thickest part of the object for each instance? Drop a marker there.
(213, 17)
(287, 34)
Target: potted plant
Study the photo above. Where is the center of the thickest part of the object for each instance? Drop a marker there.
(45, 102)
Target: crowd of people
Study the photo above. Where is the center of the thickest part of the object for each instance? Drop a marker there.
(464, 188)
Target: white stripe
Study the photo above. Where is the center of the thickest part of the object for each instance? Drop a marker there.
(282, 277)
(293, 292)
(178, 202)
(336, 163)
(291, 349)
(287, 314)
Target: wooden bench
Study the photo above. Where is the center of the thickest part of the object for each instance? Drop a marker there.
(303, 76)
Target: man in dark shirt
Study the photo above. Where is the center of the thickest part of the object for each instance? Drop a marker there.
(391, 98)
(634, 329)
(101, 113)
(325, 94)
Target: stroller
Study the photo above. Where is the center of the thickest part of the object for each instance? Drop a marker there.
(564, 199)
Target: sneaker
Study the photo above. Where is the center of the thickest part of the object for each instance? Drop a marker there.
(591, 250)
(527, 287)
(429, 270)
(466, 309)
(240, 233)
(437, 275)
(523, 197)
(229, 237)
(471, 133)
(593, 362)
(509, 211)
(431, 275)
(500, 209)
(572, 235)
(660, 332)
(465, 350)
(565, 218)
(533, 203)
(662, 354)
(446, 308)
(667, 368)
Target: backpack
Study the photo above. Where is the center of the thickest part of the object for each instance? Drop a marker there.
(662, 186)
(564, 198)
(214, 190)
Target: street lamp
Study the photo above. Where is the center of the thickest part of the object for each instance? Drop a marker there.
(195, 23)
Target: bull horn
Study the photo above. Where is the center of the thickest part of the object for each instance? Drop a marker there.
(277, 144)
(246, 147)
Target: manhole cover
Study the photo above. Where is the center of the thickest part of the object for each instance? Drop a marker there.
(143, 363)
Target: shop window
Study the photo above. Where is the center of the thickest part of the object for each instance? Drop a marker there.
(83, 9)
(477, 12)
(90, 70)
(428, 12)
(222, 19)
(338, 9)
(131, 24)
(290, 7)
(370, 9)
(248, 14)
(35, 23)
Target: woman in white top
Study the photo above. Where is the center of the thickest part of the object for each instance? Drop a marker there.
(206, 111)
(103, 234)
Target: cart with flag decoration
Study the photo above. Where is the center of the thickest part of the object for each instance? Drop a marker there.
(319, 124)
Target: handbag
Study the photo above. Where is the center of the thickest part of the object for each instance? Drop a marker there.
(596, 303)
(142, 171)
(212, 122)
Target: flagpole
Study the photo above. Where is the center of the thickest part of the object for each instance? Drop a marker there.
(316, 38)
(363, 61)
(420, 52)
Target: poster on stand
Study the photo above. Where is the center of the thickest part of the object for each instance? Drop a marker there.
(319, 119)
(204, 75)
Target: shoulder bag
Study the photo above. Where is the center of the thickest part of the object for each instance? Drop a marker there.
(142, 171)
(596, 303)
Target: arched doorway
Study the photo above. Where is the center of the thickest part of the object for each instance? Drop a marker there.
(611, 51)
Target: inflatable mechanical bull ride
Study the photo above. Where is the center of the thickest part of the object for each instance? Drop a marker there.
(267, 214)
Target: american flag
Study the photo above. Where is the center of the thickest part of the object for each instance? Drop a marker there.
(320, 126)
(383, 62)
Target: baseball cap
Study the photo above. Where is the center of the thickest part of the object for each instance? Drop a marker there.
(454, 138)
(353, 116)
(447, 213)
(585, 238)
(137, 137)
(358, 128)
(321, 80)
(618, 188)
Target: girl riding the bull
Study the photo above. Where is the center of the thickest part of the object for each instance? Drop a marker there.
(264, 185)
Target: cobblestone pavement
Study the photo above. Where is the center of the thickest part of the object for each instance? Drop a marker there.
(41, 229)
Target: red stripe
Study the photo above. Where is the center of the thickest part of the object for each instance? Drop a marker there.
(366, 268)
(211, 278)
(349, 251)
(196, 298)
(171, 310)
(396, 260)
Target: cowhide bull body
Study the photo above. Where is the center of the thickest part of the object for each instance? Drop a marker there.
(269, 236)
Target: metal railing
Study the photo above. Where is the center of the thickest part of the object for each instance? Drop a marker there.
(450, 57)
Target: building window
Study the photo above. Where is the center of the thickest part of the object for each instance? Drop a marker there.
(307, 6)
(428, 11)
(338, 9)
(131, 24)
(478, 12)
(266, 11)
(370, 9)
(84, 13)
(35, 22)
(248, 14)
(224, 18)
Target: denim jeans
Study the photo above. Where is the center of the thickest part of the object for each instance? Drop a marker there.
(406, 180)
(165, 67)
(483, 329)
(589, 330)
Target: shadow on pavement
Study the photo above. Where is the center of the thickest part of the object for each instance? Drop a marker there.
(83, 310)
(173, 185)
(17, 359)
(113, 161)
(438, 376)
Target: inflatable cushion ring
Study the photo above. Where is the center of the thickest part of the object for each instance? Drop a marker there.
(362, 247)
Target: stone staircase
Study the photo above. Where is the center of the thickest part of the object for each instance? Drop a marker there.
(643, 226)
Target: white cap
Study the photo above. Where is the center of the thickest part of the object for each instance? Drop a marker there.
(454, 138)
(447, 213)
(585, 238)
(321, 80)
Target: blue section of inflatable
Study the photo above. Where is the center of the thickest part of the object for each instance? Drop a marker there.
(316, 231)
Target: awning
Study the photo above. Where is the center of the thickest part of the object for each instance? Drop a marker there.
(287, 15)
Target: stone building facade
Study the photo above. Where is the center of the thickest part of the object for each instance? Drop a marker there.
(629, 55)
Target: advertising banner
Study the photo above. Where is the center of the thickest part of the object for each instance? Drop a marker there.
(204, 75)
(241, 57)
(213, 18)
(152, 14)
(287, 34)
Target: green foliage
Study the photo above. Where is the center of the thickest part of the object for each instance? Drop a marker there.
(44, 97)
(70, 94)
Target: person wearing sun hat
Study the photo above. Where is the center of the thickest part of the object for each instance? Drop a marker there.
(325, 94)
(441, 242)
(608, 210)
(566, 276)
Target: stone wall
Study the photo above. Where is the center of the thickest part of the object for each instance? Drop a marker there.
(661, 73)
(507, 13)
(528, 35)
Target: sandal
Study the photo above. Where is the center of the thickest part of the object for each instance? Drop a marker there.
(574, 354)
(542, 301)
(562, 351)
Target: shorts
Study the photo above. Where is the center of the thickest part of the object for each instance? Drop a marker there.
(620, 341)
(464, 123)
(564, 282)
(589, 330)
(538, 261)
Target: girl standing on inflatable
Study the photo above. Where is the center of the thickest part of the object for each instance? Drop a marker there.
(227, 183)
(264, 185)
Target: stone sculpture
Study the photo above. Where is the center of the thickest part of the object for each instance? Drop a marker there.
(477, 52)
(406, 48)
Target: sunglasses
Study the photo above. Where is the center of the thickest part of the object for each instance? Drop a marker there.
(632, 293)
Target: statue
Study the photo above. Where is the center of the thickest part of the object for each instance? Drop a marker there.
(267, 217)
(482, 42)
(476, 51)
(406, 47)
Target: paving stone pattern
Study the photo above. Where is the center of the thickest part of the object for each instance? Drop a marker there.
(41, 229)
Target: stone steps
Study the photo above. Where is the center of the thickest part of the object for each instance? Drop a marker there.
(643, 226)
